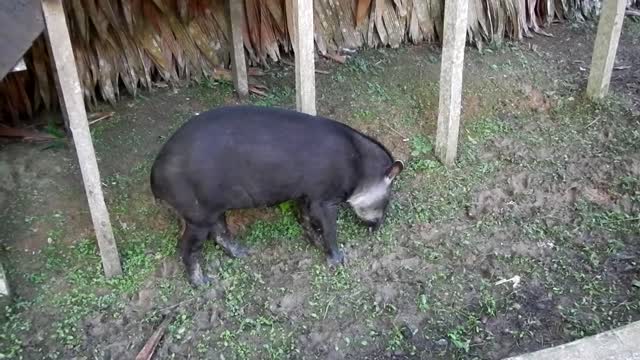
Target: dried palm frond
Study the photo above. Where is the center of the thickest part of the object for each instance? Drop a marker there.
(135, 42)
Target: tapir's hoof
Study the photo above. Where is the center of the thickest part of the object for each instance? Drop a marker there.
(238, 251)
(197, 278)
(336, 259)
(231, 248)
(200, 280)
(314, 239)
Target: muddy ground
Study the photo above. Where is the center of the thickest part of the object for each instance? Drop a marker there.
(545, 195)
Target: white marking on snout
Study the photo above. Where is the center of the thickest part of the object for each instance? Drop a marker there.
(369, 195)
(363, 199)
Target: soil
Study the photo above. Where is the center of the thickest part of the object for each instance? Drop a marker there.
(531, 241)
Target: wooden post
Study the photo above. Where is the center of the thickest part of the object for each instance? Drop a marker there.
(239, 66)
(73, 109)
(605, 47)
(304, 56)
(5, 293)
(4, 283)
(451, 67)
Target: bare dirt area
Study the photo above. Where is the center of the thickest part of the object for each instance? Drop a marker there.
(533, 240)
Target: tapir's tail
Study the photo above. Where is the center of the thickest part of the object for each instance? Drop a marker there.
(153, 184)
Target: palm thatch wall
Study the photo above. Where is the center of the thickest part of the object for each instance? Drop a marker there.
(128, 44)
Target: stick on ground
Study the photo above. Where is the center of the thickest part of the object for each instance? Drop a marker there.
(147, 351)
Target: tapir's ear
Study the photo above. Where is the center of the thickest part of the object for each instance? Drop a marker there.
(393, 170)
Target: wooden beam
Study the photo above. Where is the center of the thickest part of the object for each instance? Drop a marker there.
(238, 66)
(605, 47)
(304, 56)
(73, 109)
(451, 69)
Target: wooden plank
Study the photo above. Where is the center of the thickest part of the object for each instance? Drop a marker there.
(451, 68)
(20, 66)
(616, 344)
(73, 108)
(20, 24)
(239, 65)
(304, 56)
(605, 47)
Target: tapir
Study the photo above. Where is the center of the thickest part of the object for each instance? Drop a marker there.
(239, 157)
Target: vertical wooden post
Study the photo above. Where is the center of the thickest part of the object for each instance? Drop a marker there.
(304, 53)
(235, 9)
(72, 104)
(4, 283)
(451, 68)
(605, 47)
(5, 292)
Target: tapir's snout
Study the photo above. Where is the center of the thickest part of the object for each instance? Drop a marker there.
(374, 225)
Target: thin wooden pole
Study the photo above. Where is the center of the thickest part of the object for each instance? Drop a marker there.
(73, 109)
(451, 69)
(304, 56)
(239, 66)
(605, 47)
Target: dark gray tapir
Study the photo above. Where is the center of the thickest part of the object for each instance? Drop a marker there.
(247, 157)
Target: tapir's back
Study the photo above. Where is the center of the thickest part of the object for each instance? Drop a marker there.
(257, 155)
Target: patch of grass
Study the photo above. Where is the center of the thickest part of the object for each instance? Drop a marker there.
(74, 306)
(239, 283)
(284, 227)
(459, 339)
(363, 64)
(396, 340)
(330, 291)
(423, 303)
(277, 96)
(12, 328)
(213, 92)
(180, 325)
(594, 218)
(420, 148)
(328, 282)
(481, 130)
(377, 92)
(229, 340)
(364, 115)
(273, 340)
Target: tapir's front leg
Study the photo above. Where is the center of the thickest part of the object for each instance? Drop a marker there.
(326, 215)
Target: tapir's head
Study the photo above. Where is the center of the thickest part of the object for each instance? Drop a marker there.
(371, 199)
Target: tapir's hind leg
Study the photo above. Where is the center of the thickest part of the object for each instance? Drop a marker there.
(220, 233)
(312, 234)
(191, 243)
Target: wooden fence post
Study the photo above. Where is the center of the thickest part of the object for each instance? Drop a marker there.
(605, 47)
(304, 56)
(73, 109)
(239, 66)
(451, 69)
